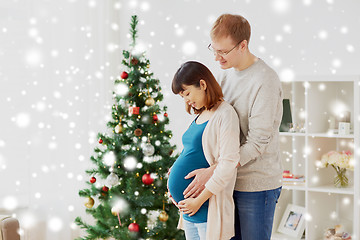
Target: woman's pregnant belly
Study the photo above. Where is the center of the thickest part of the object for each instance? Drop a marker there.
(185, 164)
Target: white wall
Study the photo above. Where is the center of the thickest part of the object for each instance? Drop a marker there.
(57, 59)
(55, 91)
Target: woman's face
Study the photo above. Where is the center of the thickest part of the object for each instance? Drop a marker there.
(195, 96)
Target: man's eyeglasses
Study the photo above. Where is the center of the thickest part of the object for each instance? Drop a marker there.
(221, 53)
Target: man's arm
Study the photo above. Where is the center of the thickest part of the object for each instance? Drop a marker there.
(266, 111)
(197, 185)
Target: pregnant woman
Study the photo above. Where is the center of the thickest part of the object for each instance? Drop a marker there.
(212, 139)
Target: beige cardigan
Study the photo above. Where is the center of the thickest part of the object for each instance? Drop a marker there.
(221, 145)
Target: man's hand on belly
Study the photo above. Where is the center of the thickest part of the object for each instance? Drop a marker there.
(197, 185)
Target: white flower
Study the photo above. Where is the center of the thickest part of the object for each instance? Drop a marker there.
(342, 159)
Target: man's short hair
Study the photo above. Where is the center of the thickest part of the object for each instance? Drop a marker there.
(235, 26)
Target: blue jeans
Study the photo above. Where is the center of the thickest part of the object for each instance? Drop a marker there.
(254, 214)
(195, 231)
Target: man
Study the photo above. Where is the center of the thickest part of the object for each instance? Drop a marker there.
(254, 90)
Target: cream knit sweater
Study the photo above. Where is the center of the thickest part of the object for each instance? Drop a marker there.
(256, 95)
(221, 144)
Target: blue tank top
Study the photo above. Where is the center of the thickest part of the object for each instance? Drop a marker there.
(191, 158)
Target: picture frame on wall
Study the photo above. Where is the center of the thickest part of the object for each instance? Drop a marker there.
(293, 221)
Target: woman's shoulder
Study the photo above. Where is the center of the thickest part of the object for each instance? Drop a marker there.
(225, 109)
(225, 106)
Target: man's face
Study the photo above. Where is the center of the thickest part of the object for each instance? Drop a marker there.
(227, 52)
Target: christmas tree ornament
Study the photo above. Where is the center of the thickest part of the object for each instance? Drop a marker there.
(138, 132)
(105, 189)
(109, 158)
(121, 206)
(134, 110)
(165, 114)
(155, 118)
(134, 61)
(163, 216)
(114, 211)
(148, 159)
(130, 163)
(147, 179)
(119, 128)
(112, 179)
(121, 89)
(124, 75)
(134, 227)
(148, 149)
(149, 101)
(100, 141)
(89, 203)
(92, 179)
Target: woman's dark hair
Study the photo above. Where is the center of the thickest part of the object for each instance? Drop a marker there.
(190, 74)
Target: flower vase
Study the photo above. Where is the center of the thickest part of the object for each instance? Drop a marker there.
(341, 180)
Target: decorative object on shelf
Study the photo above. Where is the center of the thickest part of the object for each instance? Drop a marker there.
(344, 128)
(336, 123)
(286, 118)
(343, 116)
(292, 127)
(296, 128)
(291, 179)
(293, 221)
(340, 161)
(336, 233)
(302, 128)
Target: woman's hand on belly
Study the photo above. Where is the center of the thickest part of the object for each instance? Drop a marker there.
(189, 206)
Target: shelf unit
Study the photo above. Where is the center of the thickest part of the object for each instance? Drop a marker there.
(314, 101)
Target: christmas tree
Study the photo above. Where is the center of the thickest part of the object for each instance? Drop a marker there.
(127, 190)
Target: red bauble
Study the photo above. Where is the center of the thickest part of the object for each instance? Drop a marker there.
(134, 227)
(105, 189)
(124, 75)
(165, 115)
(100, 141)
(92, 179)
(147, 179)
(155, 118)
